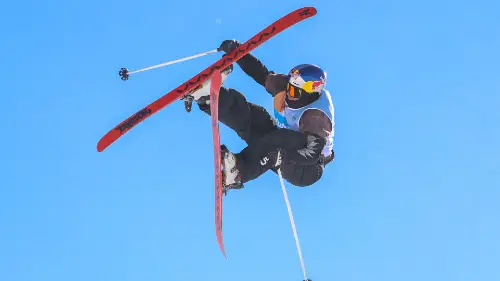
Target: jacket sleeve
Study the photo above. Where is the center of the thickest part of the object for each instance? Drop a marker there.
(316, 122)
(272, 82)
(254, 68)
(305, 146)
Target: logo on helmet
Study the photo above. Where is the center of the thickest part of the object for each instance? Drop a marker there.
(317, 84)
(294, 73)
(313, 86)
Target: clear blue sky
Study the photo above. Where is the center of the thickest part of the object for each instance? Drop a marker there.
(413, 194)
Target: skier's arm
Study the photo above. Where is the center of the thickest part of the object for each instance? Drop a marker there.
(316, 122)
(253, 67)
(272, 82)
(316, 127)
(299, 148)
(302, 147)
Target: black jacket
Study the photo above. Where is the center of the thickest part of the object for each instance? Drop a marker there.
(314, 126)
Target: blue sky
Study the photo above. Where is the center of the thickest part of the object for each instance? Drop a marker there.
(413, 193)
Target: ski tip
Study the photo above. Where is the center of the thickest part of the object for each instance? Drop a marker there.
(307, 11)
(102, 144)
(100, 147)
(108, 139)
(311, 9)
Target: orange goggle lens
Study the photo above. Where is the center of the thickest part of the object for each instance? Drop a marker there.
(295, 92)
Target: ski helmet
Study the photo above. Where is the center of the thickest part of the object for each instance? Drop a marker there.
(306, 79)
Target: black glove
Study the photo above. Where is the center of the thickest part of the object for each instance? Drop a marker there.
(228, 45)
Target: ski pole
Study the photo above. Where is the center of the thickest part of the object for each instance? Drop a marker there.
(290, 214)
(125, 73)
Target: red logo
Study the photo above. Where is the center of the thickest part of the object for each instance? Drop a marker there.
(317, 84)
(294, 73)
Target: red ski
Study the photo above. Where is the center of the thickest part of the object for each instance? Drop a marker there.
(215, 85)
(275, 28)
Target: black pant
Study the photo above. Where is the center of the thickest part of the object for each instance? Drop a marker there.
(257, 128)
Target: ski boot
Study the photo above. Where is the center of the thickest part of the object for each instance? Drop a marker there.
(231, 178)
(201, 94)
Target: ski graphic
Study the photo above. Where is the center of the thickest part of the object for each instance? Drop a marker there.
(215, 85)
(267, 33)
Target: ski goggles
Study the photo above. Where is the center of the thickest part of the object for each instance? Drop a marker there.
(294, 92)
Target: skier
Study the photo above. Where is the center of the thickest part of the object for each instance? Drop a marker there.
(299, 140)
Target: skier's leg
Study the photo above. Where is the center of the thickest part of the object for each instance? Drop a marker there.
(256, 159)
(250, 121)
(253, 161)
(297, 154)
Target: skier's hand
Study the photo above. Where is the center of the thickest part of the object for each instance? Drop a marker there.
(276, 83)
(228, 45)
